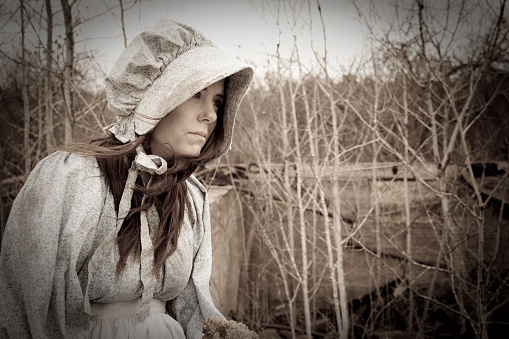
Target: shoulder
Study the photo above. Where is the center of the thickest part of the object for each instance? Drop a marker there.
(64, 192)
(66, 162)
(195, 186)
(61, 170)
(63, 164)
(197, 195)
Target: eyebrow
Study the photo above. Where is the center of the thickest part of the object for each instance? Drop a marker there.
(220, 94)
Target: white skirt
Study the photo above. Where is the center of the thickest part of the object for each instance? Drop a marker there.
(120, 321)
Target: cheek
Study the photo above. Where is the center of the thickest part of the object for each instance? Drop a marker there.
(157, 134)
(161, 131)
(211, 128)
(165, 126)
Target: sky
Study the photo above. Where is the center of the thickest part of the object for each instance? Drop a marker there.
(248, 29)
(244, 28)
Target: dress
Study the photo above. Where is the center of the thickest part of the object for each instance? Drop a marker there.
(58, 259)
(119, 320)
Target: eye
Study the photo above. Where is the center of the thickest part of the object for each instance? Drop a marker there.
(218, 103)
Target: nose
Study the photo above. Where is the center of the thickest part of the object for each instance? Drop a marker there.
(209, 114)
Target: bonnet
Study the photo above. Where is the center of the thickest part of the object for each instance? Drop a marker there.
(163, 67)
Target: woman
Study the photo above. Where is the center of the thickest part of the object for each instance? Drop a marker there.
(111, 239)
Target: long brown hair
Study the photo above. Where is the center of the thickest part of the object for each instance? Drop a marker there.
(168, 191)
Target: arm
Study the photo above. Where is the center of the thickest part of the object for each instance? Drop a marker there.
(194, 305)
(40, 294)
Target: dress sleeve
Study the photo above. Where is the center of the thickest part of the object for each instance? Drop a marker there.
(194, 305)
(40, 293)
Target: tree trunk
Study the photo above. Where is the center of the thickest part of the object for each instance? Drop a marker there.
(408, 225)
(122, 22)
(68, 71)
(336, 219)
(302, 219)
(48, 96)
(289, 210)
(26, 108)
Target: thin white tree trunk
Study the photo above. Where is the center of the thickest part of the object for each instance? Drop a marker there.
(336, 220)
(302, 218)
(376, 197)
(343, 327)
(288, 191)
(408, 224)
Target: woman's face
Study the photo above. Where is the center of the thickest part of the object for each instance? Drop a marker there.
(186, 129)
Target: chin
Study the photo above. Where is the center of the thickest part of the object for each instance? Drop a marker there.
(190, 154)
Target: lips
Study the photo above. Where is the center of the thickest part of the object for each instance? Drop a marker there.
(203, 135)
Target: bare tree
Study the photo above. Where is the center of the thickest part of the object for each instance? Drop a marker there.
(429, 63)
